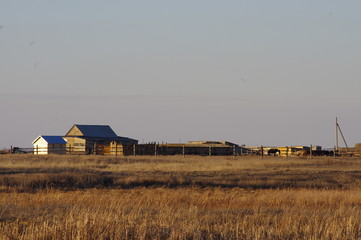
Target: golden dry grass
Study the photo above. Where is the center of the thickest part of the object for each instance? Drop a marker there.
(97, 197)
(30, 173)
(187, 213)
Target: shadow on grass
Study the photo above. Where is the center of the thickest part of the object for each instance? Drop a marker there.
(33, 182)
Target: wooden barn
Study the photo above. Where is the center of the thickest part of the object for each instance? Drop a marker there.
(93, 139)
(49, 145)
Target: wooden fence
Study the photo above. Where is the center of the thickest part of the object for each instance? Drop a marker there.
(173, 149)
(137, 149)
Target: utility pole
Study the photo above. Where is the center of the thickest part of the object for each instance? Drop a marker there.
(336, 134)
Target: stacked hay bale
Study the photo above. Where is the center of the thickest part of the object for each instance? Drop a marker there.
(357, 150)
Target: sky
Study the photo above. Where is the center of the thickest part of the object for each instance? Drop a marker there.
(272, 73)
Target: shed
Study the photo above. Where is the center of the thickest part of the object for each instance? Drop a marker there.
(49, 145)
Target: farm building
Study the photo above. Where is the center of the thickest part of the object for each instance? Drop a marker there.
(49, 145)
(204, 148)
(200, 148)
(93, 139)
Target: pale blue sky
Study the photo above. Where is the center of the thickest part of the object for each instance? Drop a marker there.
(251, 72)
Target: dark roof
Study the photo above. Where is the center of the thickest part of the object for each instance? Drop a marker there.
(127, 140)
(96, 131)
(52, 139)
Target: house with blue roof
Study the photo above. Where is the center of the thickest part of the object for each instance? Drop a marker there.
(49, 145)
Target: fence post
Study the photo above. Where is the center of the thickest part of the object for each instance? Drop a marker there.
(261, 151)
(116, 149)
(37, 150)
(11, 149)
(184, 151)
(210, 151)
(155, 149)
(134, 149)
(311, 151)
(234, 151)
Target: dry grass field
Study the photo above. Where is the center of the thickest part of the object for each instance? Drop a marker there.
(171, 197)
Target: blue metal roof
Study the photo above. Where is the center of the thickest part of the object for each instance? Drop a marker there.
(54, 139)
(96, 131)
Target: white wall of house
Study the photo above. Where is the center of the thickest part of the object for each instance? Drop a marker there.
(42, 147)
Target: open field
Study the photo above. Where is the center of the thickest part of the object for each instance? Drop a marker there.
(98, 197)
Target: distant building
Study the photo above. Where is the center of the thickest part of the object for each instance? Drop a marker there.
(93, 139)
(213, 143)
(49, 145)
(204, 148)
